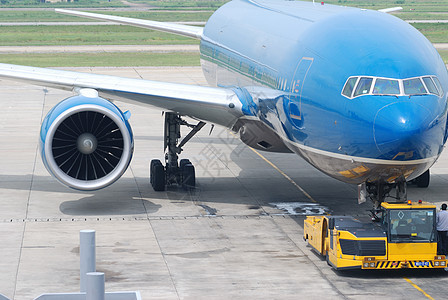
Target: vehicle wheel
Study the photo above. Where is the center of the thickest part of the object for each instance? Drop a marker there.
(157, 176)
(422, 181)
(188, 176)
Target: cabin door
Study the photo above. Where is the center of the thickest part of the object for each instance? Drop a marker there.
(298, 81)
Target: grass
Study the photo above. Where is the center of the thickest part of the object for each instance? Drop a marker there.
(127, 35)
(444, 55)
(436, 33)
(121, 59)
(72, 4)
(183, 4)
(87, 35)
(408, 5)
(51, 16)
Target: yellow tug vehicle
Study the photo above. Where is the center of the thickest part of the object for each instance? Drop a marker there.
(404, 236)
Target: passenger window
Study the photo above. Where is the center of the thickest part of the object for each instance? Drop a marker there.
(363, 87)
(439, 86)
(414, 87)
(430, 85)
(386, 87)
(349, 86)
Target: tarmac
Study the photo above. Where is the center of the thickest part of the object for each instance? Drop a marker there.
(238, 235)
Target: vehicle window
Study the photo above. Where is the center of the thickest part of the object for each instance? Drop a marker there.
(412, 225)
(386, 87)
(414, 87)
(439, 86)
(430, 85)
(363, 86)
(348, 88)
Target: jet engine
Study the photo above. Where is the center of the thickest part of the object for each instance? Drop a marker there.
(86, 141)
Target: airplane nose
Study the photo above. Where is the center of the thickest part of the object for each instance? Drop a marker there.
(401, 131)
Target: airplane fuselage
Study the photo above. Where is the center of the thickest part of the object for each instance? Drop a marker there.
(359, 94)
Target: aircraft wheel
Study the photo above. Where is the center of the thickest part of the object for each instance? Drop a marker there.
(188, 176)
(157, 176)
(183, 162)
(151, 170)
(422, 181)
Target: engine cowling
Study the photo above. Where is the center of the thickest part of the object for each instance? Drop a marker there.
(86, 142)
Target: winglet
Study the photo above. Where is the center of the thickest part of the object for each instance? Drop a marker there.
(391, 9)
(185, 30)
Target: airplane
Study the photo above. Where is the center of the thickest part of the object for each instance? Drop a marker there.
(359, 94)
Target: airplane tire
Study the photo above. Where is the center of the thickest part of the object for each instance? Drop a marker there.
(151, 170)
(157, 176)
(188, 176)
(422, 181)
(183, 162)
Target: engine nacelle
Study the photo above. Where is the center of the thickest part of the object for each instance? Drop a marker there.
(86, 142)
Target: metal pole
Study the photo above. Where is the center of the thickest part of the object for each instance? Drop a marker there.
(87, 256)
(95, 286)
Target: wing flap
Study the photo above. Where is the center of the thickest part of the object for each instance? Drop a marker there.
(185, 30)
(217, 105)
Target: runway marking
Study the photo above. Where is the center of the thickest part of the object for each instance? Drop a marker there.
(284, 175)
(418, 288)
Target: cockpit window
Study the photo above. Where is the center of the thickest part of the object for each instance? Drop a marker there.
(386, 87)
(349, 86)
(414, 86)
(430, 85)
(357, 86)
(363, 86)
(439, 86)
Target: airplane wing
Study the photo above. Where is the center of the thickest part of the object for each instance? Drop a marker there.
(391, 9)
(185, 30)
(217, 105)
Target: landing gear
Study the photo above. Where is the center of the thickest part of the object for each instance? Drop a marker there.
(181, 173)
(379, 191)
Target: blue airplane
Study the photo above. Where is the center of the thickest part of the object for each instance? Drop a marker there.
(359, 94)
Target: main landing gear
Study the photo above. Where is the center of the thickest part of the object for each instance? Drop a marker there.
(181, 173)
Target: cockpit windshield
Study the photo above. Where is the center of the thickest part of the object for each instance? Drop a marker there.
(386, 87)
(366, 85)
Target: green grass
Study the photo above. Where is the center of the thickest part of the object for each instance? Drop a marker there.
(183, 4)
(444, 55)
(421, 16)
(73, 4)
(51, 16)
(436, 33)
(103, 59)
(408, 5)
(87, 35)
(164, 16)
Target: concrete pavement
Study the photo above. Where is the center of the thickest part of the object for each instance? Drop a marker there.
(224, 240)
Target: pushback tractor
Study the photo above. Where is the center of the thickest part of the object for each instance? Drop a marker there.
(404, 236)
